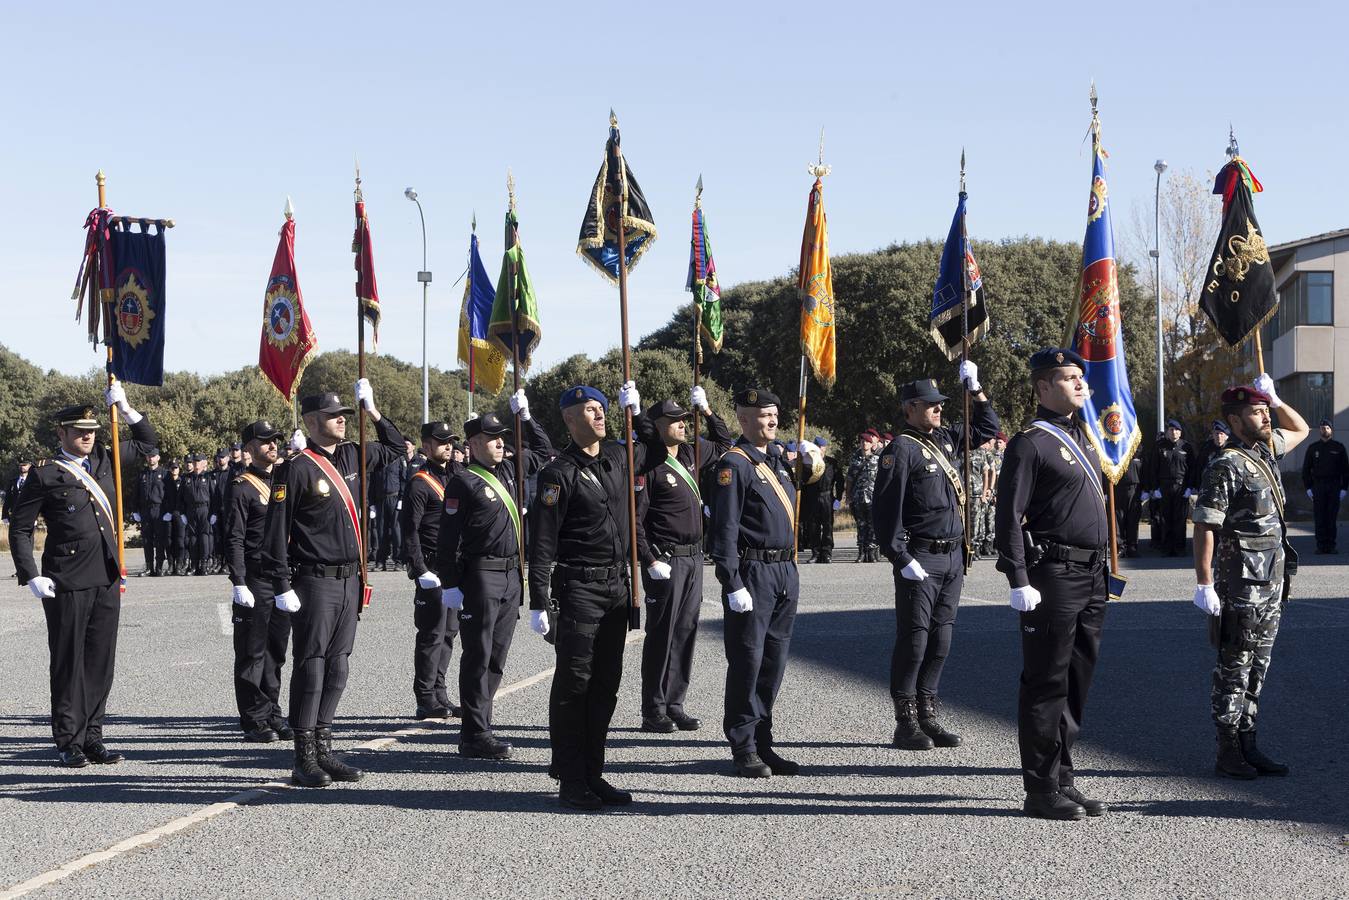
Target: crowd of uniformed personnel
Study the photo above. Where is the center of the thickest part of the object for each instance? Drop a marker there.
(281, 518)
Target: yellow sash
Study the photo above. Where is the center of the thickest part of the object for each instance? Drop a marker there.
(768, 475)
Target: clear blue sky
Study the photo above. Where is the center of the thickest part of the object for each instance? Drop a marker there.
(213, 114)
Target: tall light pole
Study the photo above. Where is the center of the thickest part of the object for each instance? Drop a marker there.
(1156, 254)
(424, 276)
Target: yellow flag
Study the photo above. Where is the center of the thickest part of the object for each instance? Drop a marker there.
(815, 286)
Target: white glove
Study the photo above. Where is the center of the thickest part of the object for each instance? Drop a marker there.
(428, 580)
(400, 505)
(628, 397)
(914, 571)
(297, 442)
(1264, 383)
(520, 404)
(182, 517)
(538, 620)
(1310, 497)
(740, 601)
(698, 399)
(659, 571)
(372, 512)
(242, 596)
(288, 602)
(168, 517)
(135, 517)
(452, 598)
(969, 376)
(365, 395)
(1025, 599)
(116, 396)
(1157, 495)
(838, 504)
(1206, 598)
(42, 587)
(213, 518)
(1189, 492)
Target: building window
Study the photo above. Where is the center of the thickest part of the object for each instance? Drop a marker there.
(1308, 298)
(1310, 393)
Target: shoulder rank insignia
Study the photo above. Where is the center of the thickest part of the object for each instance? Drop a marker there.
(550, 494)
(279, 494)
(888, 461)
(724, 477)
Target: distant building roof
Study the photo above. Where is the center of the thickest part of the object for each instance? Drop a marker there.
(1280, 253)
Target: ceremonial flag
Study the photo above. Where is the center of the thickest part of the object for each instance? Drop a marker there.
(616, 196)
(486, 365)
(815, 286)
(287, 337)
(139, 305)
(515, 294)
(367, 292)
(1098, 336)
(1239, 292)
(702, 281)
(958, 278)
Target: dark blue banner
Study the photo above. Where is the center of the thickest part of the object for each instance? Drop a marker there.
(138, 309)
(958, 278)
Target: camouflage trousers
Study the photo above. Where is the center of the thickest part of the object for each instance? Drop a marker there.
(1249, 624)
(866, 535)
(982, 513)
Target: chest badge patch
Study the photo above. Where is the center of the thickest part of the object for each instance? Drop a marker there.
(279, 495)
(1067, 457)
(669, 479)
(1250, 467)
(550, 494)
(491, 494)
(323, 487)
(927, 455)
(451, 506)
(724, 478)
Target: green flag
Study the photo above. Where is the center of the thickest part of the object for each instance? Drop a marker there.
(702, 280)
(515, 294)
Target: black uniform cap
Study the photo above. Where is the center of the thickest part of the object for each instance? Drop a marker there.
(440, 431)
(490, 425)
(757, 397)
(80, 416)
(667, 409)
(1054, 358)
(924, 389)
(259, 430)
(1327, 423)
(328, 403)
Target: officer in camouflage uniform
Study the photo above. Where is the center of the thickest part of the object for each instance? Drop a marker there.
(991, 494)
(980, 463)
(861, 488)
(1241, 511)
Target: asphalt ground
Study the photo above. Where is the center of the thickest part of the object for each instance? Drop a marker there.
(183, 815)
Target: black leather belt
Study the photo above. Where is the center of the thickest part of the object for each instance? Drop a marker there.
(928, 545)
(490, 563)
(676, 549)
(591, 573)
(768, 555)
(326, 571)
(1067, 553)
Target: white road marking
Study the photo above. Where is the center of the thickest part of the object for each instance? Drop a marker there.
(226, 617)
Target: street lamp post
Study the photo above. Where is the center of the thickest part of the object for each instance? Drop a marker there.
(424, 276)
(1156, 254)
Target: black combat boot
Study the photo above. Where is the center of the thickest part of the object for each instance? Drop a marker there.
(928, 708)
(1231, 762)
(908, 736)
(1258, 760)
(329, 762)
(824, 556)
(307, 772)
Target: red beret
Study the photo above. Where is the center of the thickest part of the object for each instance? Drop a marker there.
(1244, 393)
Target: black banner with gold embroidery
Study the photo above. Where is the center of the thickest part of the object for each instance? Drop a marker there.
(1238, 292)
(138, 304)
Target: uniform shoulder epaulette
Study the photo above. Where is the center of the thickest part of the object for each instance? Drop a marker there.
(237, 479)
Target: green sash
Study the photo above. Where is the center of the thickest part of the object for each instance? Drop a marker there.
(673, 462)
(506, 498)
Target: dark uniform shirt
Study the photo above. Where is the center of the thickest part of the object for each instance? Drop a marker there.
(150, 490)
(746, 512)
(81, 547)
(825, 489)
(1202, 458)
(194, 493)
(1042, 490)
(245, 519)
(669, 509)
(580, 515)
(474, 522)
(1325, 464)
(420, 516)
(914, 497)
(221, 482)
(307, 520)
(1170, 464)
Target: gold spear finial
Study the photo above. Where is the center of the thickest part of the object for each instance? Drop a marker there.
(613, 118)
(474, 223)
(510, 188)
(359, 196)
(819, 170)
(962, 170)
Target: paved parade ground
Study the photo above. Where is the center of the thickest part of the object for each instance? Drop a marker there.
(196, 812)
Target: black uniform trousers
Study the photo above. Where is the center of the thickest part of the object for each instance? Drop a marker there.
(200, 535)
(154, 538)
(1175, 512)
(592, 628)
(261, 635)
(1060, 641)
(390, 531)
(925, 618)
(433, 646)
(486, 629)
(756, 652)
(1326, 510)
(178, 540)
(817, 525)
(82, 640)
(672, 608)
(324, 631)
(1128, 511)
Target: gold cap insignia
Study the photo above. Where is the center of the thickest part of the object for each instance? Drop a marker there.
(933, 383)
(1058, 357)
(752, 396)
(579, 393)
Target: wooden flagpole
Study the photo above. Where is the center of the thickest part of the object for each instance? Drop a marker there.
(109, 300)
(635, 611)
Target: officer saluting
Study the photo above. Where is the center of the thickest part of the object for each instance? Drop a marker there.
(1051, 538)
(1240, 511)
(79, 582)
(670, 546)
(311, 552)
(578, 559)
(918, 516)
(752, 543)
(478, 560)
(261, 631)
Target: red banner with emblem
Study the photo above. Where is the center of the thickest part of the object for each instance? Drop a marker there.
(287, 337)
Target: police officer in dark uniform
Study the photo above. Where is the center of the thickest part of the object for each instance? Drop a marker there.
(1218, 437)
(79, 582)
(149, 508)
(578, 564)
(1325, 475)
(918, 519)
(261, 631)
(752, 545)
(174, 520)
(670, 547)
(1051, 535)
(1129, 506)
(385, 493)
(1171, 462)
(477, 559)
(221, 479)
(436, 627)
(819, 499)
(194, 503)
(15, 486)
(311, 551)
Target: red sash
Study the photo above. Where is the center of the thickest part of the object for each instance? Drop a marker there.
(435, 483)
(340, 485)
